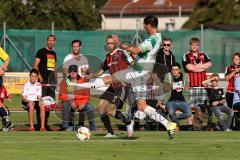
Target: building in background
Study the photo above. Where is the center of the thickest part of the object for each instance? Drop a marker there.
(128, 14)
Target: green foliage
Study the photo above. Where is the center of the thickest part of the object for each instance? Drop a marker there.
(35, 14)
(216, 12)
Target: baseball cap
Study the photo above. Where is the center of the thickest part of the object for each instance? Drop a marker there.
(72, 68)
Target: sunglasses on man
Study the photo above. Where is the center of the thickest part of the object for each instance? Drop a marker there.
(167, 45)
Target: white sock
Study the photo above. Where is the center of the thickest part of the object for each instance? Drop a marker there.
(96, 83)
(140, 115)
(151, 112)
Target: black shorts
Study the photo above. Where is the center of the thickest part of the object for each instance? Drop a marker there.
(25, 105)
(115, 96)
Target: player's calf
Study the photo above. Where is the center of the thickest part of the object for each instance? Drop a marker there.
(7, 124)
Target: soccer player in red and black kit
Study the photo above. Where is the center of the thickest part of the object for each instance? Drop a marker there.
(195, 64)
(113, 98)
(231, 72)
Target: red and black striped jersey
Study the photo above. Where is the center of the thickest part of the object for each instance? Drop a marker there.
(114, 62)
(196, 78)
(229, 69)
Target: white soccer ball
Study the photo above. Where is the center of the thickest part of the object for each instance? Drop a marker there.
(49, 102)
(83, 134)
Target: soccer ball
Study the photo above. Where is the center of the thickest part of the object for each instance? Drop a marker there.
(50, 103)
(83, 134)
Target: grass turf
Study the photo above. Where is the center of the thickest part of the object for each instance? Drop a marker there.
(144, 146)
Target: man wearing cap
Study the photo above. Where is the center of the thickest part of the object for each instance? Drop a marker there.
(73, 99)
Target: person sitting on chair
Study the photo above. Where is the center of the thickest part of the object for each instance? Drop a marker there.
(216, 99)
(75, 99)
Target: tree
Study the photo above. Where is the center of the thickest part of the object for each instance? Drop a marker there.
(73, 15)
(216, 12)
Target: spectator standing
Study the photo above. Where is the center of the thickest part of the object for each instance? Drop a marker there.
(45, 63)
(231, 72)
(165, 55)
(76, 58)
(4, 62)
(195, 64)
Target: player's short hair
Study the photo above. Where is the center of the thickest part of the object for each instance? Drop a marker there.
(194, 40)
(176, 65)
(214, 75)
(77, 41)
(236, 54)
(34, 71)
(51, 35)
(109, 36)
(167, 39)
(151, 20)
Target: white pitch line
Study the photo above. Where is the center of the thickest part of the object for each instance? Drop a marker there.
(116, 140)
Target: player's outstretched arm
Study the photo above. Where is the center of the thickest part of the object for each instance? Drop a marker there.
(94, 75)
(127, 47)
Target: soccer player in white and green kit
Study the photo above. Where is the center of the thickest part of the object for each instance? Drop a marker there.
(140, 72)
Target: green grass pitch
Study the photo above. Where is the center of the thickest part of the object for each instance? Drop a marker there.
(144, 146)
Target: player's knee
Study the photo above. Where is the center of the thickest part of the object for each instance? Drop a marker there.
(30, 106)
(101, 110)
(111, 112)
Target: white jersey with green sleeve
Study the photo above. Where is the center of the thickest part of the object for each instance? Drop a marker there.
(149, 48)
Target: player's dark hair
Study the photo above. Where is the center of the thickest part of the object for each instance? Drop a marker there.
(214, 75)
(236, 54)
(176, 65)
(167, 39)
(194, 40)
(77, 41)
(151, 20)
(109, 36)
(34, 71)
(51, 35)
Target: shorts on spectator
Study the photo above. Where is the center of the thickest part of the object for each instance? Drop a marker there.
(197, 96)
(25, 105)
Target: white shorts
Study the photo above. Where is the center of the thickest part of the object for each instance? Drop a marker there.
(136, 79)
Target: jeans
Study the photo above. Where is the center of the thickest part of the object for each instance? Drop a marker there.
(219, 113)
(236, 106)
(172, 106)
(229, 99)
(66, 115)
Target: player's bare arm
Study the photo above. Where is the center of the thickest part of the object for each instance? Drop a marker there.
(206, 65)
(194, 67)
(231, 75)
(35, 66)
(6, 63)
(130, 48)
(94, 75)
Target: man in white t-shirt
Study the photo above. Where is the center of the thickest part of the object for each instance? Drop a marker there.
(32, 99)
(76, 58)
